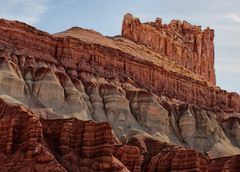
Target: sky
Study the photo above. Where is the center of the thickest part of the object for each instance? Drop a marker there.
(105, 16)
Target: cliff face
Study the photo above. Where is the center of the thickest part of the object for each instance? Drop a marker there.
(181, 42)
(78, 50)
(152, 110)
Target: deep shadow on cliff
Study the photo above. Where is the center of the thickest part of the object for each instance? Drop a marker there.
(143, 101)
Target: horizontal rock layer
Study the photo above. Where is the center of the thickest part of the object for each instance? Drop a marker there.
(74, 51)
(30, 144)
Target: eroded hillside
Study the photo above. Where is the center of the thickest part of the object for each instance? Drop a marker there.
(151, 108)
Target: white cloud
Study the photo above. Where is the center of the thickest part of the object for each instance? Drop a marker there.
(234, 17)
(228, 65)
(28, 11)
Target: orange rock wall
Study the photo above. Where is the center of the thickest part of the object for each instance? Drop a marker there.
(181, 42)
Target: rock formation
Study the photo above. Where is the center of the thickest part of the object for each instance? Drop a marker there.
(181, 42)
(79, 101)
(74, 52)
(29, 143)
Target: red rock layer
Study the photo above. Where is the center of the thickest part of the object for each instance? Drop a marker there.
(30, 144)
(178, 159)
(187, 45)
(30, 47)
(163, 157)
(227, 164)
(130, 156)
(82, 145)
(21, 142)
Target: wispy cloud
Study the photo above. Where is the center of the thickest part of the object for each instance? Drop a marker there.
(29, 11)
(228, 65)
(234, 17)
(232, 69)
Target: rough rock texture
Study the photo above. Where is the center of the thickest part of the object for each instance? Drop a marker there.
(82, 145)
(154, 113)
(130, 156)
(178, 159)
(21, 141)
(163, 157)
(30, 144)
(225, 164)
(182, 42)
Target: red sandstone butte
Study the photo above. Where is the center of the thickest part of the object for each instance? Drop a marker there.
(181, 42)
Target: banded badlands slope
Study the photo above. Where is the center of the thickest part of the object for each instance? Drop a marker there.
(143, 101)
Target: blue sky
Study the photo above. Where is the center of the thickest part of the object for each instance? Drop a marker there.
(105, 16)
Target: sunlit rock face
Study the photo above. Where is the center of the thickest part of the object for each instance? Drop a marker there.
(149, 113)
(47, 88)
(11, 81)
(117, 109)
(79, 101)
(201, 131)
(232, 128)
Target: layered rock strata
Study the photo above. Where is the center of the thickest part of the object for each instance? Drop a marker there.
(162, 157)
(145, 102)
(30, 144)
(78, 50)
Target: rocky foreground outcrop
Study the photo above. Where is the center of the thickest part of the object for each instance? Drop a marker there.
(29, 143)
(79, 101)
